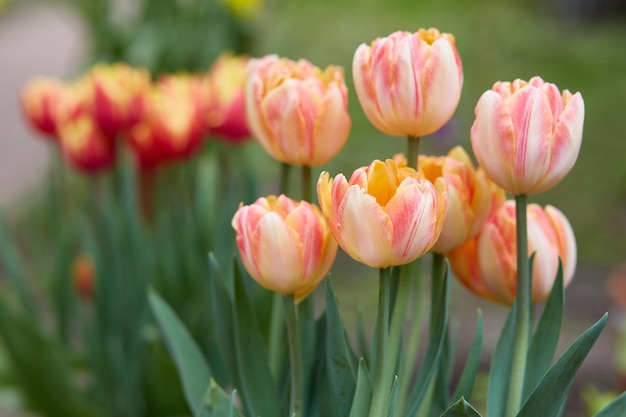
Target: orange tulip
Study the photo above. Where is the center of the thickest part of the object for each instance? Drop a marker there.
(487, 264)
(84, 277)
(284, 245)
(385, 214)
(409, 84)
(39, 99)
(527, 135)
(118, 92)
(298, 113)
(469, 196)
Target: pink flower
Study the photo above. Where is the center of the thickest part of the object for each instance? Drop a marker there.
(487, 265)
(297, 112)
(385, 214)
(527, 135)
(409, 84)
(284, 245)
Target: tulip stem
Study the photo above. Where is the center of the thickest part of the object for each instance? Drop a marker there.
(522, 306)
(436, 282)
(413, 148)
(381, 388)
(307, 192)
(285, 171)
(295, 354)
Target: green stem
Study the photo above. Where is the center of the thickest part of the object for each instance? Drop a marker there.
(285, 171)
(413, 147)
(381, 388)
(522, 304)
(295, 354)
(276, 335)
(436, 282)
(307, 191)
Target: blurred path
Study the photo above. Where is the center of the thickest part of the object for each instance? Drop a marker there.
(33, 41)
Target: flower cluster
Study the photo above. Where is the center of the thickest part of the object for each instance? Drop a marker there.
(161, 121)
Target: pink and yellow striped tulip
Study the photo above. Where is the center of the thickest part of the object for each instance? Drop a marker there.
(409, 84)
(487, 265)
(297, 112)
(527, 135)
(386, 214)
(40, 97)
(285, 246)
(469, 196)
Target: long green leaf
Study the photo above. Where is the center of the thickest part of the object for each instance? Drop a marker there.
(500, 369)
(256, 383)
(465, 387)
(341, 376)
(14, 270)
(616, 408)
(393, 398)
(194, 372)
(545, 340)
(551, 392)
(461, 408)
(363, 393)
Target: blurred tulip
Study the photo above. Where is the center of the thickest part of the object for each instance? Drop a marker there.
(227, 78)
(385, 214)
(527, 135)
(298, 113)
(487, 264)
(84, 277)
(469, 196)
(85, 146)
(171, 126)
(39, 98)
(285, 246)
(409, 84)
(244, 9)
(118, 95)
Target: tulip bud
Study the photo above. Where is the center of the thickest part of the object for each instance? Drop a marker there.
(84, 277)
(39, 99)
(527, 135)
(284, 245)
(409, 84)
(469, 196)
(487, 265)
(385, 214)
(297, 112)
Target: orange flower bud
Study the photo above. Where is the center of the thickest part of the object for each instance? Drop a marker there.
(487, 265)
(84, 277)
(527, 135)
(227, 78)
(385, 214)
(39, 99)
(171, 126)
(409, 84)
(285, 246)
(297, 112)
(469, 196)
(118, 92)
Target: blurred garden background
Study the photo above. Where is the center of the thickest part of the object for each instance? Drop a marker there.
(579, 45)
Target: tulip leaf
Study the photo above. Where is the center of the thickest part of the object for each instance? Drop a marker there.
(360, 336)
(218, 404)
(255, 381)
(430, 364)
(393, 398)
(551, 392)
(193, 370)
(500, 368)
(340, 372)
(461, 408)
(363, 392)
(545, 339)
(466, 383)
(616, 408)
(13, 268)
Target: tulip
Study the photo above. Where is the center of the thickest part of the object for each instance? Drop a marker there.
(297, 112)
(84, 277)
(86, 146)
(284, 245)
(385, 214)
(527, 135)
(227, 79)
(409, 84)
(118, 92)
(171, 126)
(469, 196)
(39, 99)
(487, 264)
